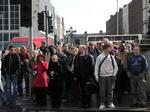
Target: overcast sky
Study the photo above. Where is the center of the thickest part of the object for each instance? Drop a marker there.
(87, 15)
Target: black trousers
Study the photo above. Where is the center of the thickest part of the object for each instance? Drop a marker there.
(40, 96)
(85, 97)
(56, 93)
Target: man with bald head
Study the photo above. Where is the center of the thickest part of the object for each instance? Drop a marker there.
(84, 71)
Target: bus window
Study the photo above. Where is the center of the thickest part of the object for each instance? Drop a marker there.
(101, 38)
(113, 38)
(109, 38)
(118, 38)
(126, 37)
(134, 38)
(98, 38)
(91, 38)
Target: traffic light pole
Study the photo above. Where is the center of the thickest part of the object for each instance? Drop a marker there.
(46, 30)
(30, 50)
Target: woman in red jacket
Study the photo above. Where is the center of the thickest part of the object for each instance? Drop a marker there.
(40, 81)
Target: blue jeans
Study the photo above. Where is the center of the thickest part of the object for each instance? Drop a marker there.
(2, 95)
(2, 91)
(11, 87)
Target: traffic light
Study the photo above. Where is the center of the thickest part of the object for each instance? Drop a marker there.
(55, 40)
(26, 13)
(50, 25)
(41, 21)
(50, 29)
(13, 2)
(148, 26)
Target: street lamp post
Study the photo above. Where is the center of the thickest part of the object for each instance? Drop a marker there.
(117, 19)
(70, 33)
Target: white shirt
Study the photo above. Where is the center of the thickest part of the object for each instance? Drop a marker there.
(106, 68)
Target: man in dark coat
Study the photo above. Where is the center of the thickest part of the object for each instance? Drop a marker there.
(84, 69)
(11, 64)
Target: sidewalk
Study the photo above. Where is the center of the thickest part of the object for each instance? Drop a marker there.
(25, 104)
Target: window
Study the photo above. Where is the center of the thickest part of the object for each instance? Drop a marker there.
(16, 14)
(0, 21)
(12, 27)
(113, 38)
(12, 8)
(16, 8)
(16, 21)
(118, 38)
(5, 27)
(6, 37)
(6, 21)
(6, 2)
(101, 38)
(1, 2)
(12, 15)
(0, 36)
(14, 35)
(91, 38)
(1, 7)
(134, 37)
(16, 27)
(12, 21)
(98, 38)
(109, 38)
(6, 15)
(6, 8)
(126, 37)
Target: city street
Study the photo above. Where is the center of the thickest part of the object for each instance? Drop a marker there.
(26, 105)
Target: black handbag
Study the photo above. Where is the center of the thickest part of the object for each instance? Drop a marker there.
(92, 87)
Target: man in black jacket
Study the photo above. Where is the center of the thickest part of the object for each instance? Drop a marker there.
(11, 64)
(84, 71)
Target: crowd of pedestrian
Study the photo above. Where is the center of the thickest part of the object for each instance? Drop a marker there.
(72, 74)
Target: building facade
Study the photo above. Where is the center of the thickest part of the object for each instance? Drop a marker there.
(111, 25)
(136, 17)
(120, 21)
(125, 20)
(146, 16)
(9, 22)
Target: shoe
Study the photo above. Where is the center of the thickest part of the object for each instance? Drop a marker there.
(64, 100)
(3, 104)
(111, 105)
(102, 106)
(142, 105)
(134, 105)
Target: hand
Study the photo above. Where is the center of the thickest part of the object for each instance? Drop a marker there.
(41, 61)
(34, 72)
(52, 72)
(35, 67)
(96, 79)
(75, 78)
(113, 78)
(21, 63)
